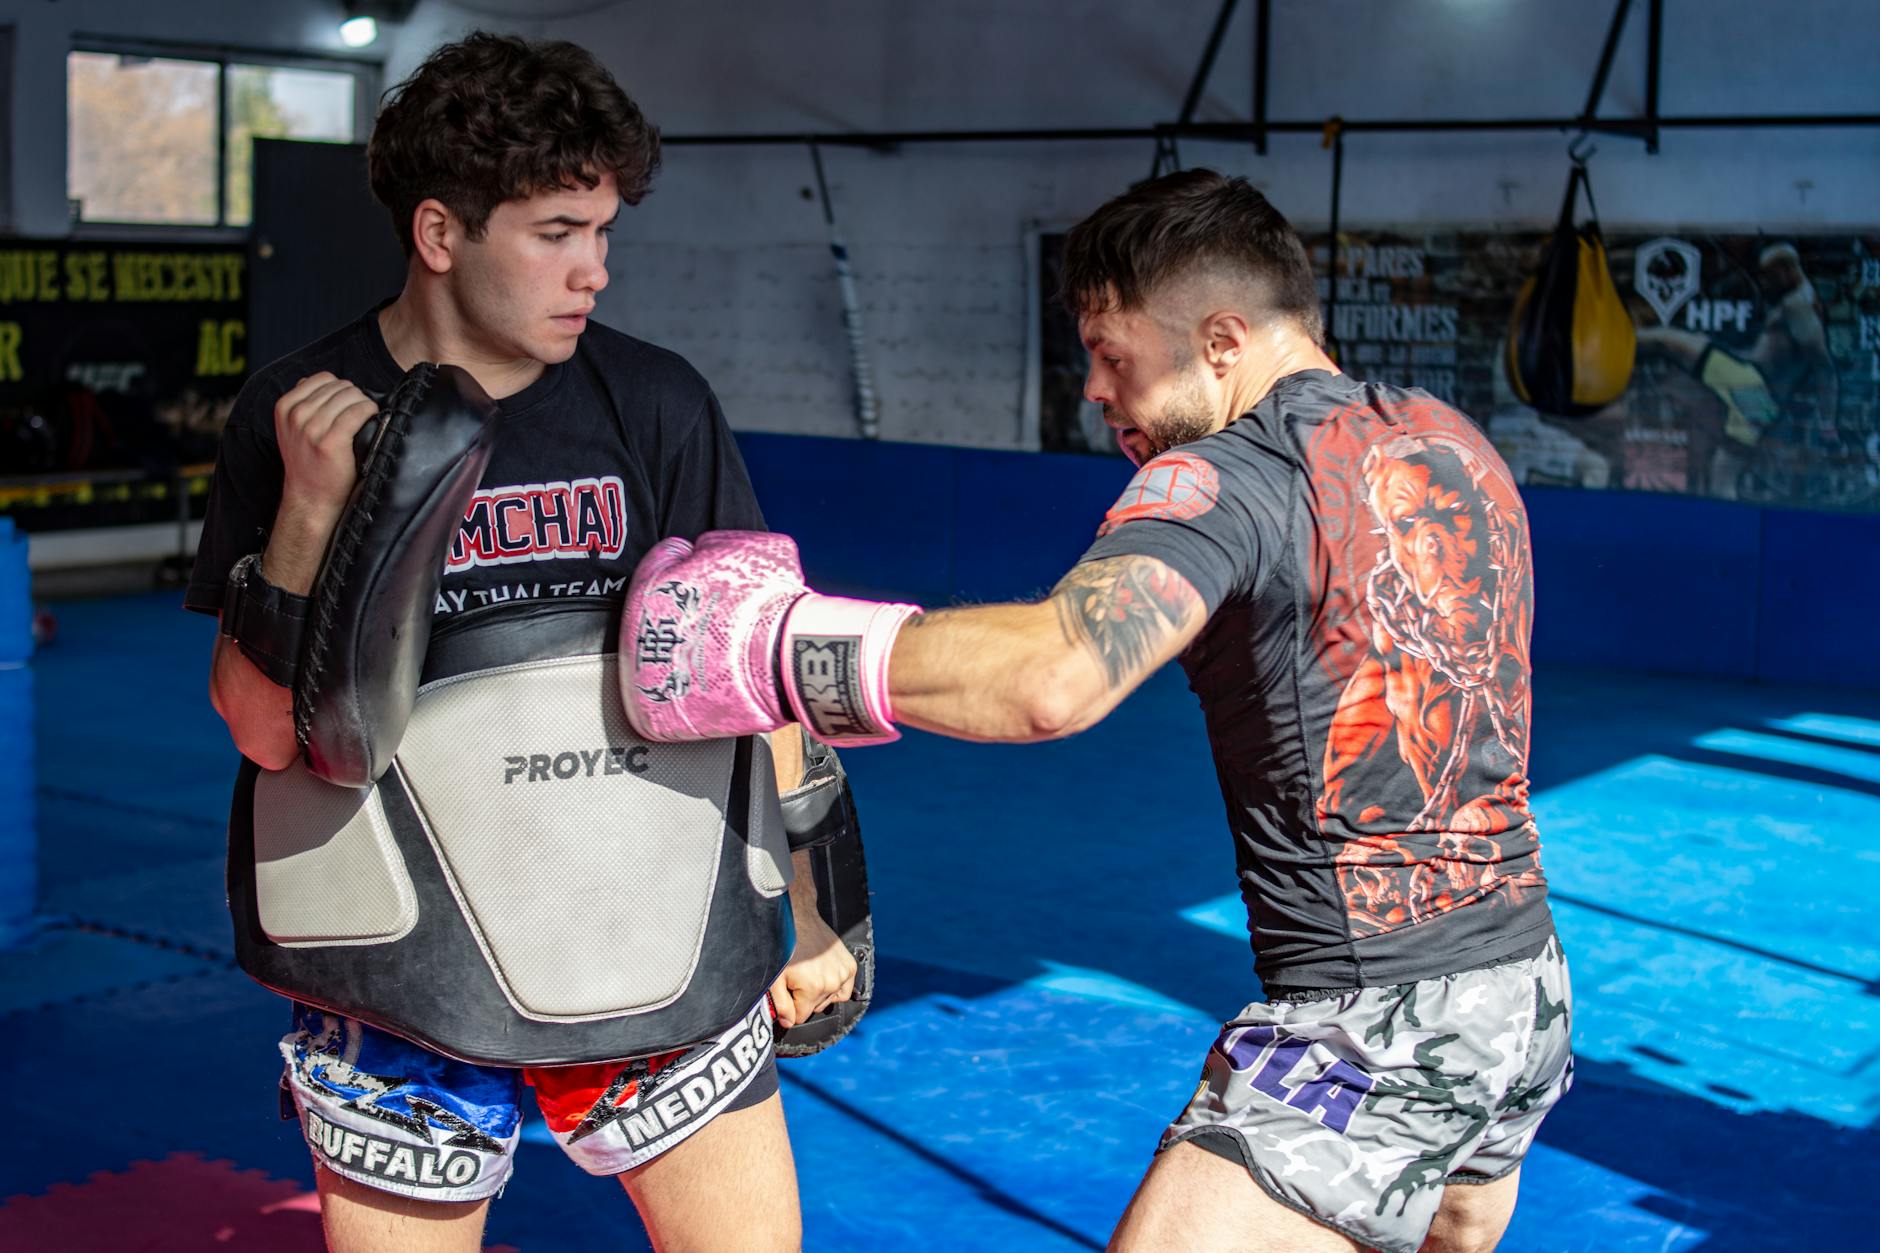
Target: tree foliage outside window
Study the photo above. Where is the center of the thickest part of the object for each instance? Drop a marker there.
(142, 132)
(268, 102)
(141, 139)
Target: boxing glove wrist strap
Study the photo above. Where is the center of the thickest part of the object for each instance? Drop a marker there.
(834, 667)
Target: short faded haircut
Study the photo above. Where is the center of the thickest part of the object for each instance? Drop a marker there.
(1193, 223)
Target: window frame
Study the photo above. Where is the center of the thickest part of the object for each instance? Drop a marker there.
(367, 74)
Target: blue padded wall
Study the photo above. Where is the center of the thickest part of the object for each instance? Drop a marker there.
(1627, 580)
(1645, 582)
(16, 596)
(1022, 520)
(1819, 598)
(19, 833)
(868, 517)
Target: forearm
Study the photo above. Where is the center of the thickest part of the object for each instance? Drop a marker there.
(297, 544)
(786, 757)
(258, 711)
(1001, 673)
(848, 670)
(802, 885)
(1018, 673)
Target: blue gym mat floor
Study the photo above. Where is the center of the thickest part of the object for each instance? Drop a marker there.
(1059, 941)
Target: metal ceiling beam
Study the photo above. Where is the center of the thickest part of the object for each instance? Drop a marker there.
(1166, 153)
(1262, 27)
(1244, 131)
(1606, 55)
(1654, 62)
(1199, 84)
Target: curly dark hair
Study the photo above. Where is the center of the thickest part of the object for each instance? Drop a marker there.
(492, 118)
(1192, 221)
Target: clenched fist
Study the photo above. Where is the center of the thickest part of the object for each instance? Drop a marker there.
(314, 424)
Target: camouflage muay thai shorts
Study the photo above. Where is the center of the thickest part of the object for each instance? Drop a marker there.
(1357, 1108)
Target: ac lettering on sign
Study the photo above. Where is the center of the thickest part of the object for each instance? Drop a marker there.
(216, 354)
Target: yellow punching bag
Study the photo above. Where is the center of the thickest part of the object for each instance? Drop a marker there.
(1571, 341)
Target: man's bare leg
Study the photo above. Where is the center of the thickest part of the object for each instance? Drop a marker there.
(731, 1185)
(1193, 1199)
(360, 1219)
(1473, 1216)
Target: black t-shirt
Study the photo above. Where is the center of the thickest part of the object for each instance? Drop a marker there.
(1364, 673)
(604, 455)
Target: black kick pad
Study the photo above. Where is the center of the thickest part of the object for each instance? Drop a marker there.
(377, 587)
(841, 876)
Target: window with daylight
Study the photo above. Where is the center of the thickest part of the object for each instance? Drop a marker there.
(165, 139)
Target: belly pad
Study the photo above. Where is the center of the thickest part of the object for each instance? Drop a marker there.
(529, 884)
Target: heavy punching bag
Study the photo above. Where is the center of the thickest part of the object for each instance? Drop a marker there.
(1571, 341)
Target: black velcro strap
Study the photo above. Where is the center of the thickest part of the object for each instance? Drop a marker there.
(265, 622)
(372, 602)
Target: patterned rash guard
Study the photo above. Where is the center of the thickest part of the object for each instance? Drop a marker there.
(1364, 673)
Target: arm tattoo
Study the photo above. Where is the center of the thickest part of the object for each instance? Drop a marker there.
(1122, 609)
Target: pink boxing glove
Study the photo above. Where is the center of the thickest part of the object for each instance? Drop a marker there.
(723, 639)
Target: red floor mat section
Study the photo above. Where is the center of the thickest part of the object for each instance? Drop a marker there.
(185, 1201)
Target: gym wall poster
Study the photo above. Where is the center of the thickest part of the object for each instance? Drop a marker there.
(117, 356)
(1757, 376)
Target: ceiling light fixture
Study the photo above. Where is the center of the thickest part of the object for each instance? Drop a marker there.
(358, 32)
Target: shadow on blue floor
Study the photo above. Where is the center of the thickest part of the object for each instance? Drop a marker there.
(1058, 945)
(1713, 1180)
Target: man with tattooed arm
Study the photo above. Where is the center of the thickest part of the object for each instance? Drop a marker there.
(1343, 570)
